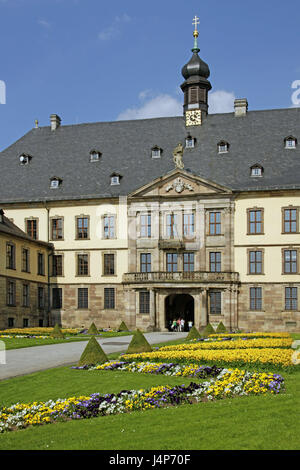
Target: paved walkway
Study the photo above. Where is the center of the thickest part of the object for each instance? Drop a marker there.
(27, 360)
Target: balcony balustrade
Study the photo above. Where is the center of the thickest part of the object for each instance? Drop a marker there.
(181, 276)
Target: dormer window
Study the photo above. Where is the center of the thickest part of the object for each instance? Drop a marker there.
(256, 170)
(290, 142)
(55, 182)
(24, 159)
(223, 147)
(156, 152)
(115, 179)
(190, 142)
(95, 155)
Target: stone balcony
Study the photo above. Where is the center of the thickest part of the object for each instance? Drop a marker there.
(181, 276)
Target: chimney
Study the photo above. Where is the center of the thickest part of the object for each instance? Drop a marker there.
(55, 121)
(240, 107)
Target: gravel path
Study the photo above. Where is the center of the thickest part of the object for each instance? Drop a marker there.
(27, 360)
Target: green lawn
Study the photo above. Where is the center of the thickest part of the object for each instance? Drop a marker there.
(261, 422)
(254, 423)
(16, 343)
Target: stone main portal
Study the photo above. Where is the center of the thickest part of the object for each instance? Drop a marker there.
(179, 306)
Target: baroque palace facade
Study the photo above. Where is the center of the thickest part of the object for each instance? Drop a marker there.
(150, 220)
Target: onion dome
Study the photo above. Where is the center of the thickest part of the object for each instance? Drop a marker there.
(195, 66)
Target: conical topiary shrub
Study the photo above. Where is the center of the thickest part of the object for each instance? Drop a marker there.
(93, 354)
(138, 343)
(193, 333)
(123, 327)
(221, 328)
(56, 332)
(92, 329)
(208, 330)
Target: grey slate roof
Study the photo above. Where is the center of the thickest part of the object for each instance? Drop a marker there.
(126, 147)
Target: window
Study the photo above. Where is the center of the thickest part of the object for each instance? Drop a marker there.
(145, 225)
(32, 228)
(214, 223)
(215, 262)
(255, 262)
(290, 142)
(82, 228)
(41, 297)
(188, 262)
(144, 302)
(10, 256)
(114, 179)
(256, 170)
(25, 260)
(41, 264)
(41, 322)
(11, 322)
(109, 226)
(291, 298)
(82, 265)
(190, 142)
(25, 159)
(57, 297)
(290, 220)
(109, 264)
(188, 225)
(25, 323)
(95, 156)
(57, 229)
(290, 261)
(55, 182)
(215, 303)
(109, 298)
(57, 265)
(25, 295)
(11, 293)
(255, 298)
(223, 147)
(255, 221)
(172, 225)
(156, 152)
(83, 297)
(146, 262)
(193, 95)
(172, 260)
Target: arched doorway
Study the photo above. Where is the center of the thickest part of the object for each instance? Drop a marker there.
(179, 306)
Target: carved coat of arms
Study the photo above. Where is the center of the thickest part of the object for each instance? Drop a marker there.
(179, 185)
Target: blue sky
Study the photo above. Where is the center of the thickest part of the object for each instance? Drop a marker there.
(93, 60)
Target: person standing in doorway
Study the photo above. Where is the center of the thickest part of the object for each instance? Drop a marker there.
(182, 322)
(190, 324)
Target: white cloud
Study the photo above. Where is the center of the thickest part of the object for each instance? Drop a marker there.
(221, 101)
(44, 23)
(162, 105)
(114, 29)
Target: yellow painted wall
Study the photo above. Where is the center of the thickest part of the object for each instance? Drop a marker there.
(273, 240)
(34, 249)
(95, 245)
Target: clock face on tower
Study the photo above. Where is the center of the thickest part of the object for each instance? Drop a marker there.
(193, 118)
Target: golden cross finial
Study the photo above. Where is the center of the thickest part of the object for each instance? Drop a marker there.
(196, 22)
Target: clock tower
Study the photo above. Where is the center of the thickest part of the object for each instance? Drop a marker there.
(196, 86)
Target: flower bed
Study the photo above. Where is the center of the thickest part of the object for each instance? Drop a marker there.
(250, 335)
(232, 344)
(228, 383)
(276, 356)
(38, 332)
(171, 369)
